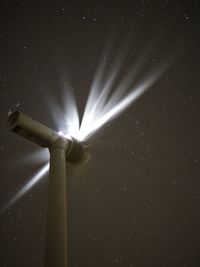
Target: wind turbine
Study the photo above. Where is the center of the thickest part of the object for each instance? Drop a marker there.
(102, 106)
(61, 149)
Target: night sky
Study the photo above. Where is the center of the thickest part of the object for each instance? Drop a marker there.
(137, 202)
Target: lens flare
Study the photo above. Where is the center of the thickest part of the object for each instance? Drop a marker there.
(109, 96)
(27, 187)
(65, 113)
(99, 114)
(38, 156)
(114, 88)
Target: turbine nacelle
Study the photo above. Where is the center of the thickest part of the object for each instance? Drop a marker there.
(76, 152)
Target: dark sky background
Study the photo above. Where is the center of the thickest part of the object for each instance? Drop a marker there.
(137, 202)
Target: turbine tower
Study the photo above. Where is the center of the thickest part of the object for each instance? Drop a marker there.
(61, 150)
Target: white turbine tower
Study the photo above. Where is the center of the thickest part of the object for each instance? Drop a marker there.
(61, 149)
(103, 105)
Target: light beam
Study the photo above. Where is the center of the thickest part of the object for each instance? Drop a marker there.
(27, 187)
(108, 98)
(96, 117)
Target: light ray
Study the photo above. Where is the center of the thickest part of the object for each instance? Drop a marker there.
(71, 115)
(114, 106)
(106, 100)
(40, 155)
(103, 83)
(65, 113)
(113, 110)
(27, 187)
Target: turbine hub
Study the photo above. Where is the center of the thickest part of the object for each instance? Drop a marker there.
(78, 152)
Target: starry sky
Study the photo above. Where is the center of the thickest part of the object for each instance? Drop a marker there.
(137, 202)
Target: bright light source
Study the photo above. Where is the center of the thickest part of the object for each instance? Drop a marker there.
(65, 114)
(99, 114)
(68, 136)
(107, 99)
